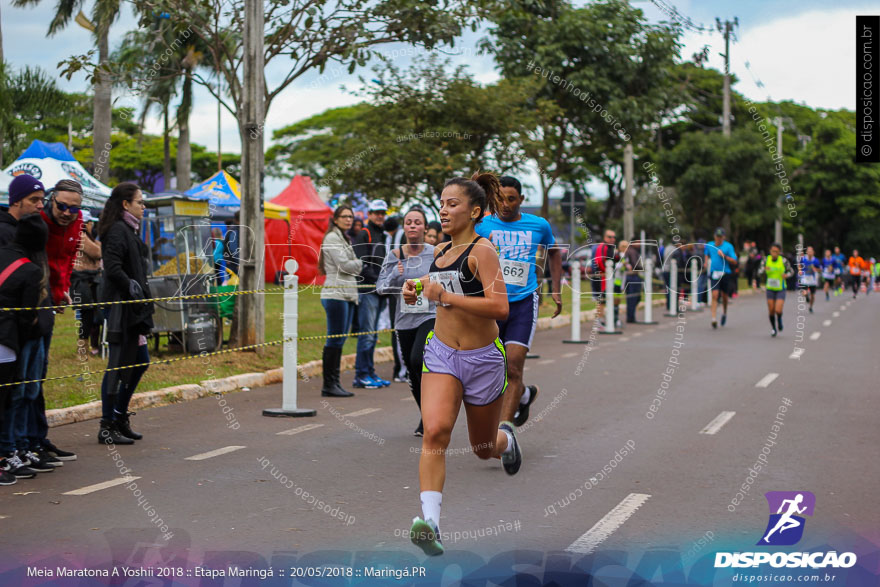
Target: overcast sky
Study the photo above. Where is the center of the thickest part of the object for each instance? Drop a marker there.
(802, 50)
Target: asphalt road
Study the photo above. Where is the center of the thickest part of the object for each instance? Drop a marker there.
(673, 488)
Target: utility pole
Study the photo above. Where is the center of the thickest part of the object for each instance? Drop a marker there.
(628, 222)
(250, 310)
(777, 225)
(726, 28)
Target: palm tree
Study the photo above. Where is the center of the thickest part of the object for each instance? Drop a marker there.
(104, 13)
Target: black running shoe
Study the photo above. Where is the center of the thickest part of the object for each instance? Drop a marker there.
(13, 465)
(523, 413)
(36, 463)
(511, 460)
(7, 478)
(54, 451)
(47, 458)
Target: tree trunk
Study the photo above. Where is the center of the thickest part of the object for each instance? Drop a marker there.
(250, 324)
(1, 49)
(166, 146)
(184, 152)
(102, 112)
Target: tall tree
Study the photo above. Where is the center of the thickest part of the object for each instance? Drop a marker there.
(104, 13)
(307, 35)
(604, 67)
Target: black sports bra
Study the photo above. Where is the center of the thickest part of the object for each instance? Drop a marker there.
(457, 278)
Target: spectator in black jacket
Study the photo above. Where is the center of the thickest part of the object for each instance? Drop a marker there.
(26, 196)
(370, 249)
(125, 278)
(24, 283)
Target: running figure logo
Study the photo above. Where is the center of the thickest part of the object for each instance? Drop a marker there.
(786, 526)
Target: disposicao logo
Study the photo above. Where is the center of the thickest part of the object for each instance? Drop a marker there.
(786, 528)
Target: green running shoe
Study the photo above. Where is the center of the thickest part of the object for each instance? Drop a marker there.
(426, 536)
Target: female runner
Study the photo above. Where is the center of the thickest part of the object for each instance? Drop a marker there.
(464, 360)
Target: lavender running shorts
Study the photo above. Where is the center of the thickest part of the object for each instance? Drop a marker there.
(482, 372)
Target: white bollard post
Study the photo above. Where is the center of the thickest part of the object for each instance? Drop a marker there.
(649, 292)
(695, 305)
(673, 289)
(291, 314)
(576, 305)
(609, 299)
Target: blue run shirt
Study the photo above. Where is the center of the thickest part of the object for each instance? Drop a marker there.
(518, 241)
(716, 262)
(807, 267)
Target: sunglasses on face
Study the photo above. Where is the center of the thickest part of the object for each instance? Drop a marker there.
(67, 208)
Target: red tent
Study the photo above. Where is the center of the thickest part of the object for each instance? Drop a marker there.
(299, 237)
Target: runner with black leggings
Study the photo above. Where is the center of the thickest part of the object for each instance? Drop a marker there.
(464, 359)
(410, 261)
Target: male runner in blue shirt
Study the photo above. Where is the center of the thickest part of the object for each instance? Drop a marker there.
(518, 237)
(720, 259)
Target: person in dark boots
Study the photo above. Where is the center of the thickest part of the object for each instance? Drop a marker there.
(339, 295)
(125, 278)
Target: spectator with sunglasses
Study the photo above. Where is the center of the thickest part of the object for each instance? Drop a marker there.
(64, 221)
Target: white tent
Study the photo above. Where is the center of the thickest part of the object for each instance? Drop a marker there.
(50, 163)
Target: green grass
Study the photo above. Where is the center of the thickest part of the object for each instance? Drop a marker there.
(64, 358)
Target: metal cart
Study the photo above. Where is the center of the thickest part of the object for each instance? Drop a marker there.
(177, 230)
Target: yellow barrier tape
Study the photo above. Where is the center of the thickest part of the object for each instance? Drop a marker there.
(199, 356)
(172, 298)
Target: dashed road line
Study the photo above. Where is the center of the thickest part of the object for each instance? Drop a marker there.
(363, 412)
(815, 336)
(767, 380)
(569, 355)
(99, 486)
(610, 522)
(214, 453)
(298, 429)
(826, 323)
(797, 354)
(715, 425)
(836, 314)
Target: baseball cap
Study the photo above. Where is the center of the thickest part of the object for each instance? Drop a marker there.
(719, 231)
(23, 186)
(378, 206)
(87, 216)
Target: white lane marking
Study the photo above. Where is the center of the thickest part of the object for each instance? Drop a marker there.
(408, 399)
(298, 429)
(826, 323)
(623, 338)
(99, 486)
(610, 522)
(214, 453)
(836, 314)
(797, 354)
(815, 336)
(715, 425)
(545, 361)
(767, 380)
(842, 308)
(569, 355)
(637, 334)
(363, 412)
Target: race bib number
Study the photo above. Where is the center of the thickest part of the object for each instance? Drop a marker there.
(716, 275)
(420, 307)
(515, 272)
(810, 280)
(449, 280)
(774, 283)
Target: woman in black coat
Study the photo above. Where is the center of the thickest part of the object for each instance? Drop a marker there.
(125, 278)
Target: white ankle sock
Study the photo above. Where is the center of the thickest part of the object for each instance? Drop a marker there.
(509, 448)
(431, 505)
(525, 396)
